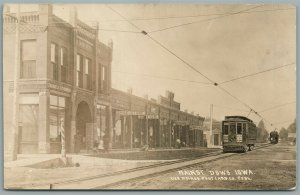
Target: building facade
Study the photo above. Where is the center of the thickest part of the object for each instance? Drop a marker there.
(64, 85)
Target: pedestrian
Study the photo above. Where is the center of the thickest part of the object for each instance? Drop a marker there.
(105, 143)
(77, 142)
(178, 143)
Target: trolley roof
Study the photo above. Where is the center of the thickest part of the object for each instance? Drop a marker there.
(237, 118)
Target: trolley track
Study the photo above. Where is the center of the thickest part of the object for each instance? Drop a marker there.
(106, 181)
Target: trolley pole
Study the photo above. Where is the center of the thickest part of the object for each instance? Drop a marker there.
(15, 108)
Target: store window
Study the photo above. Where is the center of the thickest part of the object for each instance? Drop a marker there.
(57, 114)
(28, 128)
(28, 59)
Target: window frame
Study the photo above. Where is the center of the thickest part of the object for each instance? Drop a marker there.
(27, 64)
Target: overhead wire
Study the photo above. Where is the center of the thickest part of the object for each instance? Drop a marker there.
(225, 107)
(277, 106)
(205, 20)
(190, 16)
(253, 74)
(184, 61)
(282, 122)
(161, 77)
(192, 67)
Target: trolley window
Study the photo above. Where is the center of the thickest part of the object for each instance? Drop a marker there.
(232, 128)
(244, 126)
(239, 128)
(226, 129)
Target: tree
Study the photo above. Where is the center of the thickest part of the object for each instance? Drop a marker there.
(262, 134)
(292, 127)
(283, 134)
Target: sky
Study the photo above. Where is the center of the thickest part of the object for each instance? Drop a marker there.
(221, 47)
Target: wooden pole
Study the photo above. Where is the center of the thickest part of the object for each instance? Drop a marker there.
(15, 105)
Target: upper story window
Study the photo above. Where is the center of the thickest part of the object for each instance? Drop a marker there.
(63, 64)
(103, 82)
(28, 59)
(59, 62)
(54, 60)
(79, 70)
(87, 74)
(86, 66)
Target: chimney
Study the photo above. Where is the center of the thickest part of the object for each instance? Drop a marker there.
(129, 90)
(73, 16)
(159, 99)
(153, 100)
(146, 96)
(6, 9)
(169, 95)
(110, 43)
(45, 11)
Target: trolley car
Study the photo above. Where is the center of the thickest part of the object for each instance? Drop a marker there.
(238, 133)
(274, 136)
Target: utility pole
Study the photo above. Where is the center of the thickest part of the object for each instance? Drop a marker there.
(15, 105)
(210, 128)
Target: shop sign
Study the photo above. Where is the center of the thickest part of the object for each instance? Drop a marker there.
(197, 127)
(153, 116)
(181, 122)
(130, 113)
(60, 87)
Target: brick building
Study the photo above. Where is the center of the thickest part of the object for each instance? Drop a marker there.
(64, 81)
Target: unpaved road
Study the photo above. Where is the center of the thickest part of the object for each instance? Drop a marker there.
(268, 168)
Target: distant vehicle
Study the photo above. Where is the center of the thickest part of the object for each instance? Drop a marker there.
(274, 137)
(239, 134)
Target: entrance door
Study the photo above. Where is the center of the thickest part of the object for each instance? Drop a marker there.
(216, 139)
(83, 117)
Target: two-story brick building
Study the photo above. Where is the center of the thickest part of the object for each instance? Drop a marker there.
(63, 66)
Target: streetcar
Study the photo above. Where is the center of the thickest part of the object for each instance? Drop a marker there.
(274, 136)
(238, 134)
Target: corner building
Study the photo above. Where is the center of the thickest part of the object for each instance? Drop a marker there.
(64, 81)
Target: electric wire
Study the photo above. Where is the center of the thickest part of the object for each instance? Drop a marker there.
(161, 77)
(192, 67)
(277, 106)
(253, 74)
(192, 16)
(205, 20)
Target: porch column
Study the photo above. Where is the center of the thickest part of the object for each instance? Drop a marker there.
(110, 126)
(131, 132)
(73, 121)
(43, 122)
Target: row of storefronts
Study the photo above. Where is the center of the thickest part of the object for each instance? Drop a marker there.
(139, 122)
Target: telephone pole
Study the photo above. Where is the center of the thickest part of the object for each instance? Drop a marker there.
(15, 120)
(210, 127)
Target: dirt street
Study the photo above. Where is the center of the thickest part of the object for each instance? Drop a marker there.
(267, 168)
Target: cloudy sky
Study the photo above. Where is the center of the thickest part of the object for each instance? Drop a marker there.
(219, 45)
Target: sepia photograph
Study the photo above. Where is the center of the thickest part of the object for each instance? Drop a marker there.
(159, 96)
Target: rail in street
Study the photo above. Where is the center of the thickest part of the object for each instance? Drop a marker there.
(107, 181)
